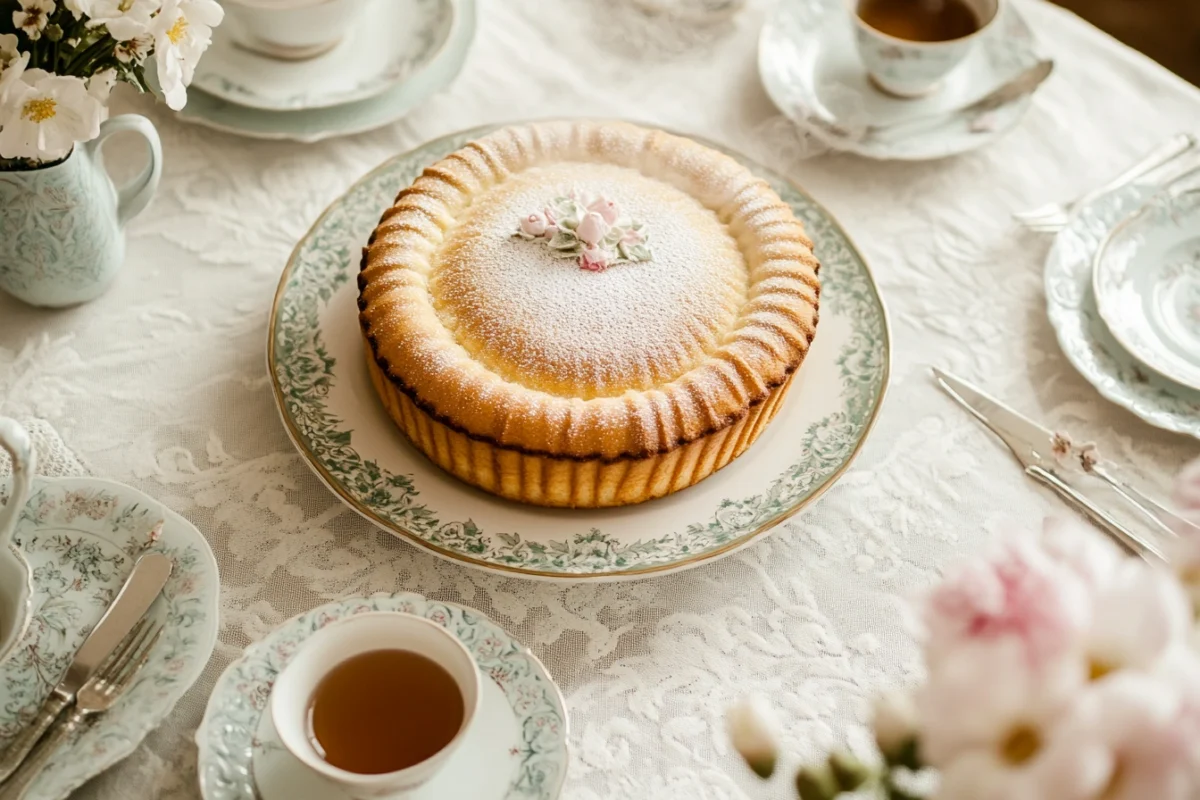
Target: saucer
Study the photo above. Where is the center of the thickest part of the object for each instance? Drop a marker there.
(1147, 285)
(81, 537)
(810, 67)
(392, 40)
(428, 68)
(517, 748)
(333, 415)
(1082, 333)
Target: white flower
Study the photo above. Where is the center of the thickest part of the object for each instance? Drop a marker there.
(78, 8)
(33, 16)
(895, 722)
(8, 49)
(592, 228)
(534, 225)
(135, 49)
(754, 731)
(45, 115)
(125, 19)
(100, 86)
(12, 63)
(182, 32)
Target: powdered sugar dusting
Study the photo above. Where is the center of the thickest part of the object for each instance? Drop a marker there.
(541, 321)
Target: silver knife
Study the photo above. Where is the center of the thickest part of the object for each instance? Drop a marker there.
(141, 589)
(1033, 446)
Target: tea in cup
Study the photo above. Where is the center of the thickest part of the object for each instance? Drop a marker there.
(377, 702)
(909, 46)
(293, 30)
(15, 577)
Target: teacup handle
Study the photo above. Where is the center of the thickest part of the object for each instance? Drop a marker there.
(135, 195)
(15, 440)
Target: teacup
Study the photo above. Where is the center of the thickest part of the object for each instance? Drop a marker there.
(292, 695)
(15, 577)
(293, 30)
(908, 68)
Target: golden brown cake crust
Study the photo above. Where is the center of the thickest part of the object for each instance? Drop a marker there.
(429, 325)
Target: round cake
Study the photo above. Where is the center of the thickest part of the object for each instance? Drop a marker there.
(586, 314)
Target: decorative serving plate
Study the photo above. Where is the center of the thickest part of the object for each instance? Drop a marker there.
(518, 748)
(393, 38)
(318, 368)
(428, 69)
(810, 67)
(1085, 339)
(1147, 285)
(82, 536)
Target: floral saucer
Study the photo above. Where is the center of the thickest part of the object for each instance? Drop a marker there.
(391, 40)
(518, 749)
(1082, 333)
(442, 40)
(810, 67)
(1147, 285)
(81, 536)
(331, 412)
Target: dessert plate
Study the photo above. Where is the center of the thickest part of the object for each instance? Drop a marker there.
(811, 70)
(518, 750)
(81, 536)
(393, 38)
(428, 69)
(1147, 285)
(329, 408)
(1082, 333)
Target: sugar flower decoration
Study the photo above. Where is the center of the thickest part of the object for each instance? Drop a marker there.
(588, 228)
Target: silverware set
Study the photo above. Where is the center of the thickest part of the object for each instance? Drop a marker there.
(1051, 458)
(103, 669)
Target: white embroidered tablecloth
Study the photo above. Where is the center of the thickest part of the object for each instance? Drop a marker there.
(162, 384)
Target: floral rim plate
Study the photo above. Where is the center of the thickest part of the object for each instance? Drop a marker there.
(1082, 333)
(1147, 285)
(81, 536)
(324, 394)
(810, 68)
(522, 751)
(391, 41)
(422, 79)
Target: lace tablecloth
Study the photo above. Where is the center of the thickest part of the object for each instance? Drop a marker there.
(162, 384)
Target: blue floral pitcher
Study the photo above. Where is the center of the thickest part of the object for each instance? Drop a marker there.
(62, 237)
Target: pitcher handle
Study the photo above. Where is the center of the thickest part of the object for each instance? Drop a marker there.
(15, 440)
(135, 195)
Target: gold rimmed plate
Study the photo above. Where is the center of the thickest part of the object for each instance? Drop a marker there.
(330, 410)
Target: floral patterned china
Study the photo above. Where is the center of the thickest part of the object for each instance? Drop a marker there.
(516, 748)
(437, 47)
(810, 68)
(386, 44)
(82, 536)
(328, 406)
(1147, 285)
(16, 578)
(1082, 333)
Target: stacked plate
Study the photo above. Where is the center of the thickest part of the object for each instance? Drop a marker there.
(1123, 294)
(400, 54)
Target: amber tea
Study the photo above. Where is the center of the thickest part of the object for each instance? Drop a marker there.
(384, 711)
(921, 20)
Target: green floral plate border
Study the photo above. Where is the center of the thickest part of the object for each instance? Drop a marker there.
(82, 536)
(315, 360)
(231, 737)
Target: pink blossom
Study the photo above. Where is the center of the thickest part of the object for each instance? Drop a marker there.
(533, 225)
(592, 228)
(606, 209)
(593, 259)
(632, 237)
(548, 213)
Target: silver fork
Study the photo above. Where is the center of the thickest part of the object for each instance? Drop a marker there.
(97, 696)
(1053, 217)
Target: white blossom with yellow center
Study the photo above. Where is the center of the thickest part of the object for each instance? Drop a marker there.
(43, 115)
(182, 32)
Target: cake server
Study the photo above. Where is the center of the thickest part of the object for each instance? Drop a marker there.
(1038, 449)
(141, 589)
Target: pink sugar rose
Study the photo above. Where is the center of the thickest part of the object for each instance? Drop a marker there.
(606, 209)
(533, 225)
(593, 259)
(592, 228)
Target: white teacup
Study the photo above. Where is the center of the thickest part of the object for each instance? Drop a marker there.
(293, 29)
(16, 586)
(292, 694)
(908, 68)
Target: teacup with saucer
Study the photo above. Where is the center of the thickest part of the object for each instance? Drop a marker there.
(16, 578)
